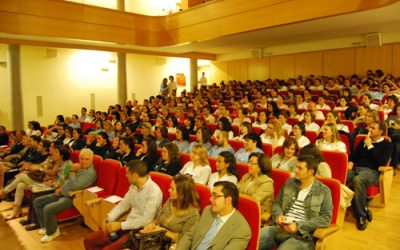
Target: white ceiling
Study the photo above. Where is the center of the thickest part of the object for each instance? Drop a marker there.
(386, 19)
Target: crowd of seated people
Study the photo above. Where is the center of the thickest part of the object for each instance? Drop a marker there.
(233, 123)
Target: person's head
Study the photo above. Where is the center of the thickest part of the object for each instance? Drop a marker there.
(199, 155)
(170, 153)
(312, 150)
(299, 129)
(136, 171)
(330, 132)
(292, 108)
(183, 193)
(119, 127)
(224, 124)
(306, 168)
(251, 141)
(262, 118)
(107, 126)
(226, 161)
(224, 197)
(86, 157)
(62, 153)
(60, 119)
(68, 132)
(371, 116)
(309, 116)
(149, 146)
(259, 164)
(290, 147)
(376, 129)
(274, 127)
(245, 128)
(43, 147)
(182, 134)
(102, 138)
(203, 134)
(333, 117)
(221, 138)
(365, 99)
(126, 144)
(83, 111)
(162, 133)
(172, 122)
(35, 140)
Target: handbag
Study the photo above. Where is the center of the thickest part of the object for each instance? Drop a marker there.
(147, 241)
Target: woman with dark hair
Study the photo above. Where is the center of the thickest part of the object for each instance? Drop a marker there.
(226, 166)
(202, 138)
(299, 131)
(261, 121)
(148, 152)
(170, 161)
(172, 124)
(272, 110)
(103, 145)
(252, 144)
(119, 129)
(309, 121)
(258, 182)
(224, 125)
(292, 110)
(33, 129)
(288, 158)
(108, 128)
(68, 139)
(161, 136)
(324, 169)
(244, 129)
(180, 212)
(114, 117)
(189, 125)
(59, 120)
(126, 151)
(182, 139)
(78, 143)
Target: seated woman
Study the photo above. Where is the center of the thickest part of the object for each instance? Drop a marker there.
(198, 166)
(226, 166)
(244, 129)
(182, 139)
(323, 168)
(262, 121)
(91, 140)
(224, 125)
(181, 211)
(287, 128)
(299, 130)
(109, 129)
(273, 134)
(119, 129)
(202, 138)
(148, 153)
(333, 117)
(98, 126)
(330, 139)
(288, 158)
(78, 143)
(292, 111)
(161, 136)
(189, 125)
(242, 117)
(33, 128)
(361, 113)
(252, 144)
(343, 104)
(126, 151)
(68, 139)
(251, 110)
(170, 161)
(172, 124)
(258, 182)
(309, 121)
(103, 146)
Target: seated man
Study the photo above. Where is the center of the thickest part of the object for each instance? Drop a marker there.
(47, 207)
(369, 155)
(143, 199)
(303, 205)
(221, 226)
(221, 145)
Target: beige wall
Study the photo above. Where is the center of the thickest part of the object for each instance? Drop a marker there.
(329, 63)
(5, 101)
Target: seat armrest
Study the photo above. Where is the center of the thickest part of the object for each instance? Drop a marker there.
(93, 201)
(385, 169)
(73, 193)
(321, 233)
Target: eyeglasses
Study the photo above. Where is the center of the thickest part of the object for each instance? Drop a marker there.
(215, 196)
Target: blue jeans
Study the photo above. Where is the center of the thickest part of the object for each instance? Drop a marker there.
(361, 178)
(47, 207)
(267, 240)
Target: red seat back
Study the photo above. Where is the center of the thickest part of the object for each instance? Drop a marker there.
(185, 157)
(251, 211)
(172, 136)
(257, 130)
(241, 169)
(123, 183)
(204, 193)
(75, 156)
(292, 121)
(192, 138)
(338, 164)
(213, 164)
(312, 136)
(163, 181)
(236, 144)
(235, 130)
(267, 148)
(345, 139)
(349, 124)
(278, 150)
(280, 177)
(212, 127)
(334, 186)
(107, 175)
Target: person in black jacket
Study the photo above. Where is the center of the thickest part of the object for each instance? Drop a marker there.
(170, 161)
(369, 155)
(78, 142)
(126, 151)
(148, 153)
(103, 146)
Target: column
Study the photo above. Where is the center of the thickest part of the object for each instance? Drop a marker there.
(122, 83)
(17, 110)
(193, 73)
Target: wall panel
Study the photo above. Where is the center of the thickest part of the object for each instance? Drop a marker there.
(340, 61)
(396, 60)
(308, 63)
(218, 72)
(374, 58)
(258, 69)
(237, 70)
(282, 66)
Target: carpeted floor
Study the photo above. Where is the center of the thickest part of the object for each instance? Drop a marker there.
(8, 239)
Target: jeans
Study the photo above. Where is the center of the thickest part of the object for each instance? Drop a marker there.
(267, 240)
(47, 207)
(361, 178)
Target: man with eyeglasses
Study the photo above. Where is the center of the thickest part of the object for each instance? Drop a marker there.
(221, 226)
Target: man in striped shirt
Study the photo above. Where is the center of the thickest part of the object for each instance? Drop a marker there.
(303, 205)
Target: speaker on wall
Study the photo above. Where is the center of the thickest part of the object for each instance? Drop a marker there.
(373, 40)
(256, 53)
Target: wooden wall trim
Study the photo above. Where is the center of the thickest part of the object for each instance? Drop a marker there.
(61, 19)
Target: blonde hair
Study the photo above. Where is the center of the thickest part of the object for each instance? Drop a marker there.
(335, 132)
(202, 152)
(277, 127)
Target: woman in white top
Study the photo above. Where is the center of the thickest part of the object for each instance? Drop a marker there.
(198, 166)
(273, 134)
(309, 118)
(299, 130)
(280, 103)
(262, 121)
(68, 140)
(330, 139)
(224, 125)
(288, 158)
(287, 128)
(251, 110)
(333, 117)
(343, 105)
(172, 124)
(226, 166)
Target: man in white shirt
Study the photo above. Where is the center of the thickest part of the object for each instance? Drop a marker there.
(221, 226)
(203, 80)
(142, 201)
